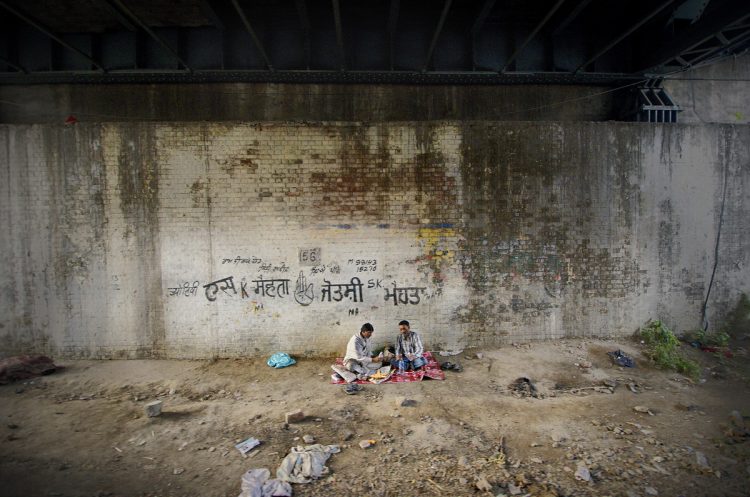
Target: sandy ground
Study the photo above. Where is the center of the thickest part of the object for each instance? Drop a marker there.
(83, 431)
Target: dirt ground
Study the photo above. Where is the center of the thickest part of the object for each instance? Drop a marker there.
(83, 431)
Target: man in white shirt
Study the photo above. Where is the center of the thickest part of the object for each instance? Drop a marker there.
(358, 358)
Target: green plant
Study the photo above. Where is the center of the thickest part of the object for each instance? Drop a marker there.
(717, 339)
(662, 348)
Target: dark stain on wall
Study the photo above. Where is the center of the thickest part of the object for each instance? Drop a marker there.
(138, 181)
(526, 224)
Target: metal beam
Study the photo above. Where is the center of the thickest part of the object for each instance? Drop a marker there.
(571, 17)
(15, 66)
(476, 26)
(304, 19)
(40, 27)
(392, 23)
(339, 33)
(625, 34)
(532, 35)
(482, 16)
(149, 31)
(436, 34)
(124, 21)
(725, 45)
(737, 11)
(251, 32)
(209, 10)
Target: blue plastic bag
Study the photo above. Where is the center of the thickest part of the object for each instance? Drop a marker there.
(280, 360)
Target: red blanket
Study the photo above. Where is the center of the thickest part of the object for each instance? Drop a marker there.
(431, 370)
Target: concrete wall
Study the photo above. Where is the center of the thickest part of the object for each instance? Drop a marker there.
(716, 93)
(200, 240)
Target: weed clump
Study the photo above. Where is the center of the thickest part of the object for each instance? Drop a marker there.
(662, 348)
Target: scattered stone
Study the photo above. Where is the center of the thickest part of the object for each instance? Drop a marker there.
(582, 473)
(483, 485)
(536, 460)
(365, 444)
(348, 435)
(295, 417)
(12, 426)
(178, 471)
(405, 402)
(633, 387)
(479, 355)
(308, 439)
(701, 460)
(651, 491)
(513, 489)
(643, 409)
(610, 383)
(153, 409)
(211, 449)
(585, 364)
(463, 461)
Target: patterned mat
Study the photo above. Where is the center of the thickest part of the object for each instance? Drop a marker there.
(431, 370)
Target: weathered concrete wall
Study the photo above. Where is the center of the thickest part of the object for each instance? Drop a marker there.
(201, 240)
(716, 93)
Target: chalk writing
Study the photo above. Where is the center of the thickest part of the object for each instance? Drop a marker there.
(337, 291)
(309, 256)
(405, 295)
(303, 292)
(223, 284)
(242, 260)
(185, 290)
(271, 287)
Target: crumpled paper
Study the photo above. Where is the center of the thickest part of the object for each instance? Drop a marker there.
(305, 463)
(256, 483)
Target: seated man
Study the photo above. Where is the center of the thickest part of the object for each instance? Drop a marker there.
(358, 358)
(409, 349)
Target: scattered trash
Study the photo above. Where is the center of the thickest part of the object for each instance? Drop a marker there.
(247, 445)
(304, 464)
(153, 409)
(582, 473)
(295, 417)
(71, 119)
(523, 387)
(447, 365)
(621, 358)
(280, 360)
(352, 388)
(24, 367)
(347, 375)
(448, 353)
(365, 444)
(256, 483)
(483, 485)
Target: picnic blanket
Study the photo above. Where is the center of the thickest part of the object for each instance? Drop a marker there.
(431, 370)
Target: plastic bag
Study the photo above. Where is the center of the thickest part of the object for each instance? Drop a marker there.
(280, 360)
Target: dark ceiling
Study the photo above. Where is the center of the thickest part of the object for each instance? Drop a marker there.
(375, 41)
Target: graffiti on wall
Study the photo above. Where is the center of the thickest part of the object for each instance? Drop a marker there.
(266, 287)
